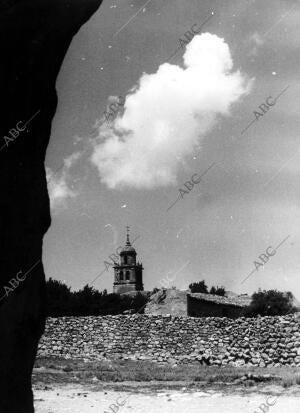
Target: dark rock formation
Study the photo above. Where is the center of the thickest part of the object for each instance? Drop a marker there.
(34, 37)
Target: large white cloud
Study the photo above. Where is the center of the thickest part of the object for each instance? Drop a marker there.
(166, 115)
(59, 188)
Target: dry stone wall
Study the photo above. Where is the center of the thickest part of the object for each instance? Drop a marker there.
(264, 341)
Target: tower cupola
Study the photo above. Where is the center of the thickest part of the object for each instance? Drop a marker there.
(128, 274)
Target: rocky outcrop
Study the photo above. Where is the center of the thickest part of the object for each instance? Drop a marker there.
(265, 341)
(34, 37)
(167, 301)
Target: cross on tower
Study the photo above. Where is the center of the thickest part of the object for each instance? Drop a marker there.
(127, 234)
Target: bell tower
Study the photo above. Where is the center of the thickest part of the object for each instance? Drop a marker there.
(128, 274)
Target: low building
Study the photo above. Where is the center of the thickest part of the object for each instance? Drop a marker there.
(209, 305)
(184, 303)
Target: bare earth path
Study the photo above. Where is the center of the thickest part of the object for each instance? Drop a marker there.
(74, 398)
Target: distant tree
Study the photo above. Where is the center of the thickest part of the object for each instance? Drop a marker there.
(86, 301)
(213, 290)
(139, 303)
(217, 290)
(89, 301)
(58, 298)
(270, 303)
(199, 287)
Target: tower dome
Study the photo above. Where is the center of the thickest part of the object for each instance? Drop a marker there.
(128, 248)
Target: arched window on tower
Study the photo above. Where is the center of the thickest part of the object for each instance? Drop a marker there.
(121, 275)
(127, 275)
(125, 259)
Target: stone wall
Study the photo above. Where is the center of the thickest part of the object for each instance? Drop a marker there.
(260, 341)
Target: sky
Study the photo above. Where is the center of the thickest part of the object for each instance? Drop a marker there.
(219, 106)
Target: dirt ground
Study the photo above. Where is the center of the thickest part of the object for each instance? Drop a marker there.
(78, 386)
(83, 399)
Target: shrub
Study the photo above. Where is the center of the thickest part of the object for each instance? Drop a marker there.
(217, 290)
(270, 303)
(199, 287)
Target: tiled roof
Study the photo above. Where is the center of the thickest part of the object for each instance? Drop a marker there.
(238, 301)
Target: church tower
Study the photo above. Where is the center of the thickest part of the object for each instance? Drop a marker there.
(128, 274)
